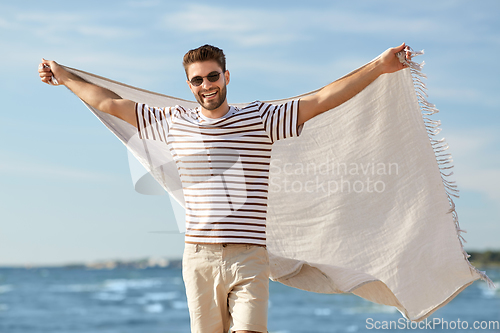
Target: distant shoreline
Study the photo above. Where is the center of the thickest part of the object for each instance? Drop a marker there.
(477, 258)
(150, 262)
(485, 258)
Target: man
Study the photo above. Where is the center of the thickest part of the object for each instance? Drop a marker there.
(223, 154)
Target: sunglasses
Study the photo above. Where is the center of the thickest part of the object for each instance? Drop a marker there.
(198, 80)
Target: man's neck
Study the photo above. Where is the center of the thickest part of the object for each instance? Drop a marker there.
(217, 113)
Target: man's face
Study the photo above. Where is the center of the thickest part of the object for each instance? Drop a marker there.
(210, 95)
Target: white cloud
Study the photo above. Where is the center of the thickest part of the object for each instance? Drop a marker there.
(454, 91)
(195, 19)
(4, 23)
(22, 166)
(144, 3)
(110, 32)
(48, 17)
(259, 27)
(246, 27)
(477, 160)
(370, 22)
(64, 27)
(473, 141)
(483, 180)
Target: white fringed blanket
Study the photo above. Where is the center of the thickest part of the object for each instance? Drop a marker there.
(360, 202)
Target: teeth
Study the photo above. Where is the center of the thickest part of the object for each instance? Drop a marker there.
(210, 94)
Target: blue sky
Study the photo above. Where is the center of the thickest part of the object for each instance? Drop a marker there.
(66, 193)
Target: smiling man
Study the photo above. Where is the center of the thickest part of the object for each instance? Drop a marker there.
(206, 89)
(223, 157)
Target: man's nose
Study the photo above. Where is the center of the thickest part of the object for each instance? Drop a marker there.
(206, 83)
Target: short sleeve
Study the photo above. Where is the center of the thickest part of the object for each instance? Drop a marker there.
(152, 123)
(280, 121)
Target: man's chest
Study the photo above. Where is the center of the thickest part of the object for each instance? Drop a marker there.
(204, 152)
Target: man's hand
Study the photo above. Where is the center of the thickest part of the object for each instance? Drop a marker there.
(47, 70)
(345, 88)
(389, 61)
(98, 97)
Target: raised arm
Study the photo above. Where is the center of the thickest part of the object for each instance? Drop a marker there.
(100, 98)
(345, 88)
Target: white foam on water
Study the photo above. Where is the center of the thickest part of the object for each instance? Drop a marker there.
(121, 285)
(176, 281)
(114, 297)
(370, 308)
(155, 297)
(322, 312)
(154, 308)
(352, 328)
(488, 292)
(112, 285)
(5, 288)
(75, 288)
(179, 305)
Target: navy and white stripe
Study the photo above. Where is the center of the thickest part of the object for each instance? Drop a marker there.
(223, 164)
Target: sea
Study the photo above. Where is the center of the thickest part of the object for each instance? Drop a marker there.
(152, 300)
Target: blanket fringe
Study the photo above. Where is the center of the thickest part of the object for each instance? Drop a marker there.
(443, 158)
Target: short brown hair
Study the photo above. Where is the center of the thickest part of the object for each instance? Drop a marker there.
(204, 53)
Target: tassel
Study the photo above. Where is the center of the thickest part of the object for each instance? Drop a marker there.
(443, 160)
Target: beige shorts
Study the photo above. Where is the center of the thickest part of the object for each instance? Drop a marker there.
(227, 286)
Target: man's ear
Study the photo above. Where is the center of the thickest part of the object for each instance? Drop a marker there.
(226, 76)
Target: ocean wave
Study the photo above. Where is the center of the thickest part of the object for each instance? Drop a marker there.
(114, 297)
(156, 297)
(352, 328)
(370, 308)
(488, 292)
(5, 288)
(322, 312)
(74, 288)
(154, 308)
(113, 285)
(124, 284)
(179, 305)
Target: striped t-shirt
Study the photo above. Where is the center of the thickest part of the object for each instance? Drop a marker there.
(223, 165)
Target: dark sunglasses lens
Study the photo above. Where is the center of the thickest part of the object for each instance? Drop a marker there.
(214, 76)
(197, 80)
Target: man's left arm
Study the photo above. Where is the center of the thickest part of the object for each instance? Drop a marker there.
(345, 88)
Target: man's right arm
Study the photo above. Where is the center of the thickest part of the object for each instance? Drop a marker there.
(100, 98)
